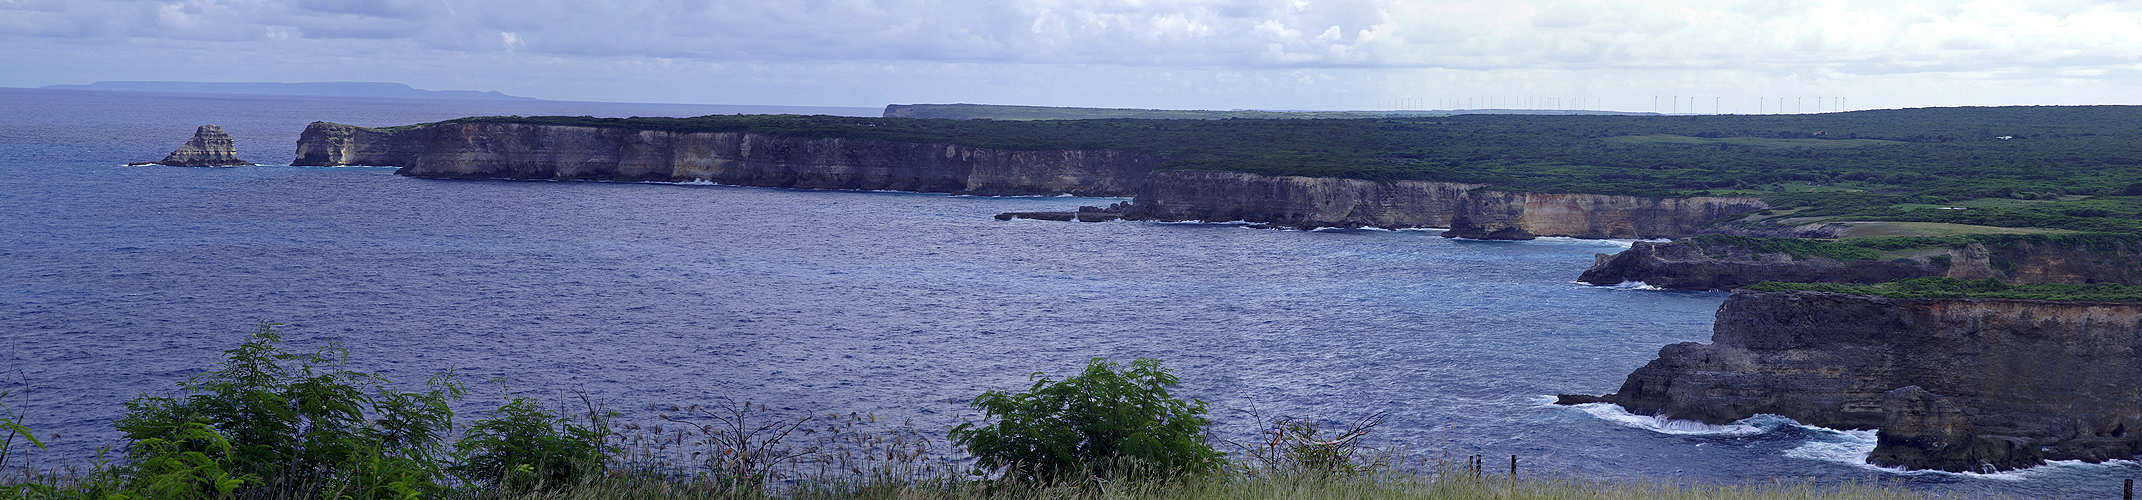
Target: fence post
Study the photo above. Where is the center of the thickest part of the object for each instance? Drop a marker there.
(2130, 494)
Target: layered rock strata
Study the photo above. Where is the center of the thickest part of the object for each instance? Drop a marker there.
(1717, 266)
(1469, 212)
(1296, 202)
(209, 147)
(531, 151)
(1506, 215)
(1953, 384)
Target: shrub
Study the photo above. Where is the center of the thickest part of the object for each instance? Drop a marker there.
(294, 423)
(527, 448)
(1300, 446)
(1106, 422)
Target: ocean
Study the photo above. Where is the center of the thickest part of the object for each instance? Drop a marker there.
(124, 281)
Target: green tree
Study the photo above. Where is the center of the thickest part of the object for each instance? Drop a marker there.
(291, 422)
(527, 448)
(1106, 422)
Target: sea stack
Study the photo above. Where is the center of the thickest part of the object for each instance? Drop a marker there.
(209, 147)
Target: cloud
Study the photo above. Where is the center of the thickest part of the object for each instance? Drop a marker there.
(1564, 46)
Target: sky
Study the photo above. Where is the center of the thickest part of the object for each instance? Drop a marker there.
(1698, 56)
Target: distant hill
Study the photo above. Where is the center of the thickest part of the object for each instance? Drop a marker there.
(335, 89)
(1002, 112)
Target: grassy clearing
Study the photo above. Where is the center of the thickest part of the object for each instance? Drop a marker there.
(1867, 229)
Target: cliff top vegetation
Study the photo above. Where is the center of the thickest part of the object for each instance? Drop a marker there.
(2073, 167)
(1949, 288)
(1871, 248)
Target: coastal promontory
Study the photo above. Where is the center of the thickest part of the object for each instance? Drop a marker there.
(649, 150)
(1956, 383)
(1725, 262)
(209, 147)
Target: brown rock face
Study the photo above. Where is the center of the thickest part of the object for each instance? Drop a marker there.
(1683, 266)
(2002, 378)
(1923, 430)
(1311, 202)
(209, 147)
(1298, 202)
(1719, 266)
(527, 151)
(1516, 216)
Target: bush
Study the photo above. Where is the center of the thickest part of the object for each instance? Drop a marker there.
(1106, 423)
(1300, 446)
(527, 448)
(298, 424)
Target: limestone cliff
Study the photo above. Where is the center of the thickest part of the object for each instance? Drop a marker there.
(1687, 266)
(1470, 212)
(1508, 215)
(531, 151)
(1698, 265)
(1297, 202)
(1953, 384)
(209, 147)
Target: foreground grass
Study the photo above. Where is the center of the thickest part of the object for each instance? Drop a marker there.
(1441, 487)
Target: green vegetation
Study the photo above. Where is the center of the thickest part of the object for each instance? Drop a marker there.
(280, 421)
(1106, 422)
(1872, 248)
(2076, 168)
(269, 423)
(1956, 288)
(1719, 246)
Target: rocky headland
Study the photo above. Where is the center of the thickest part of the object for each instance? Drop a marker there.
(504, 150)
(209, 147)
(1955, 384)
(563, 152)
(1712, 263)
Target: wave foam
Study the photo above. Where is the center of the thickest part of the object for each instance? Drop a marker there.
(1745, 427)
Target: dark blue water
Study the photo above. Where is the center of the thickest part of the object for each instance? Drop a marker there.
(124, 280)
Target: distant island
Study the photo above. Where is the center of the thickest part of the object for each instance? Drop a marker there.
(332, 89)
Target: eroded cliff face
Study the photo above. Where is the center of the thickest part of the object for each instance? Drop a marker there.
(529, 151)
(1683, 266)
(1996, 383)
(1311, 202)
(1507, 215)
(1297, 202)
(325, 144)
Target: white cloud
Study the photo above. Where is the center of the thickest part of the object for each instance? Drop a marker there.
(1566, 47)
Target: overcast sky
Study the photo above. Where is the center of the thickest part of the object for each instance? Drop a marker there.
(1201, 54)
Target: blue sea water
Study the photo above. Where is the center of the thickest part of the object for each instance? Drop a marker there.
(125, 280)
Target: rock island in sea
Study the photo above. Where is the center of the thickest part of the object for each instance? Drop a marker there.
(209, 147)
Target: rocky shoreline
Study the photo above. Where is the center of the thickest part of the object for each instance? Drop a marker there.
(1952, 384)
(1723, 264)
